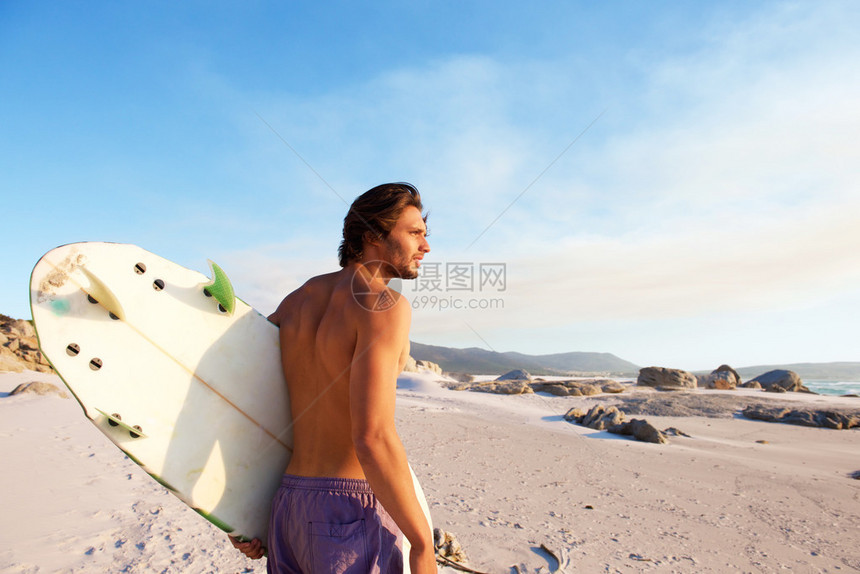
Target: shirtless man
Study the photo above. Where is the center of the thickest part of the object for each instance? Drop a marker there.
(344, 339)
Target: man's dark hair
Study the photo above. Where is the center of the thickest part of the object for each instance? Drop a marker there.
(375, 212)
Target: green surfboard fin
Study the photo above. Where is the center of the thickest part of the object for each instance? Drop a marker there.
(221, 289)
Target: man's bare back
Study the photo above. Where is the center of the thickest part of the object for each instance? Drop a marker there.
(319, 332)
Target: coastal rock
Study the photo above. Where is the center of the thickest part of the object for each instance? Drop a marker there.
(733, 374)
(640, 429)
(556, 389)
(566, 388)
(503, 387)
(666, 379)
(19, 348)
(10, 362)
(751, 385)
(723, 378)
(411, 365)
(588, 390)
(611, 419)
(39, 388)
(447, 546)
(808, 417)
(515, 386)
(461, 377)
(603, 418)
(427, 365)
(515, 375)
(613, 387)
(788, 380)
(574, 414)
(721, 384)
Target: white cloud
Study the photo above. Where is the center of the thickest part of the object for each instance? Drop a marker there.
(726, 183)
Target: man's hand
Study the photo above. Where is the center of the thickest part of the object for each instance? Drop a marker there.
(253, 549)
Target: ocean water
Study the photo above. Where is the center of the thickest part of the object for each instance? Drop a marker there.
(833, 387)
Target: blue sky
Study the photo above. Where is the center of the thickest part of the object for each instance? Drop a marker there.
(706, 212)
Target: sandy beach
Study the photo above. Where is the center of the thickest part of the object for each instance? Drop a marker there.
(506, 474)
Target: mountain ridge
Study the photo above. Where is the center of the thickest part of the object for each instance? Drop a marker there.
(474, 360)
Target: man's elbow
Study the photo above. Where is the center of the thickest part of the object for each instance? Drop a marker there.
(370, 445)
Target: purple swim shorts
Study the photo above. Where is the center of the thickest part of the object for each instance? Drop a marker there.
(331, 525)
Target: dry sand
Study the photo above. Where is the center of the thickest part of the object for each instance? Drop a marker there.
(505, 474)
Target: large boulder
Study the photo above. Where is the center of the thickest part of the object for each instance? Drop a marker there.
(567, 388)
(598, 417)
(460, 377)
(611, 419)
(39, 388)
(411, 365)
(427, 365)
(641, 430)
(515, 375)
(721, 384)
(613, 387)
(731, 374)
(503, 387)
(723, 378)
(787, 380)
(19, 348)
(666, 379)
(601, 418)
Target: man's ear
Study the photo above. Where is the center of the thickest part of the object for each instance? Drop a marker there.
(371, 238)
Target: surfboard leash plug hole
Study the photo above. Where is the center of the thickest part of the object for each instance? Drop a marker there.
(134, 434)
(73, 349)
(114, 317)
(158, 284)
(111, 420)
(140, 268)
(95, 363)
(206, 292)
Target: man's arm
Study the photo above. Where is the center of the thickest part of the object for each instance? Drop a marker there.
(381, 338)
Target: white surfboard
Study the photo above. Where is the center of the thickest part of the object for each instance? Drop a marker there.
(182, 376)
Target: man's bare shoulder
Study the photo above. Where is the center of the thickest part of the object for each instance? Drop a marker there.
(314, 290)
(371, 297)
(381, 308)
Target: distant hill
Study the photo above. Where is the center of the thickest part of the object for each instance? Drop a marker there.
(844, 371)
(481, 361)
